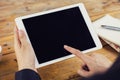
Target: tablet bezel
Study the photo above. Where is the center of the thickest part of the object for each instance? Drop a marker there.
(97, 42)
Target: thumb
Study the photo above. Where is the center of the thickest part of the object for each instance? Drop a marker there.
(22, 37)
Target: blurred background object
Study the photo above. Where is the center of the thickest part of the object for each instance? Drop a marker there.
(0, 53)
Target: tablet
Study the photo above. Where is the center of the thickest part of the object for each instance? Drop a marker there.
(49, 31)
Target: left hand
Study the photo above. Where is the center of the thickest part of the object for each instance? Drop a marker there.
(24, 51)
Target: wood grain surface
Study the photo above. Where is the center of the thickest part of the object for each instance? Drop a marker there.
(64, 70)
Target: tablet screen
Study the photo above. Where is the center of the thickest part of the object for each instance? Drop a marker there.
(48, 33)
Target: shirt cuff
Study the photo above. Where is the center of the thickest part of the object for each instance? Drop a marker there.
(27, 74)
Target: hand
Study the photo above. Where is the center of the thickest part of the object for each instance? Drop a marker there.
(24, 52)
(95, 63)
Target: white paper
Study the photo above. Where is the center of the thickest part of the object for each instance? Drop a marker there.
(110, 35)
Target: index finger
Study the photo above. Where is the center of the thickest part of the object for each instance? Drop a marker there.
(78, 53)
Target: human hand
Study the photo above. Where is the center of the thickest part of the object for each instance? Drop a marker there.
(24, 51)
(95, 63)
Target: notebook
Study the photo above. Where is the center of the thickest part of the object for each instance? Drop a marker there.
(111, 37)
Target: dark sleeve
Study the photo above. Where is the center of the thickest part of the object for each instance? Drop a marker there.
(113, 73)
(27, 74)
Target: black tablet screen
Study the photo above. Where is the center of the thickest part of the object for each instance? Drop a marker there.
(48, 33)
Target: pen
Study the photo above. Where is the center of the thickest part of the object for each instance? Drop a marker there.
(110, 27)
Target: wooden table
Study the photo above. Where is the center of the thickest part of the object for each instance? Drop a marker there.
(64, 70)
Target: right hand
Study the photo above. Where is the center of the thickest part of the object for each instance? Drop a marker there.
(95, 63)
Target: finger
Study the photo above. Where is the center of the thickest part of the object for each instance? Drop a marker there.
(85, 58)
(74, 51)
(16, 37)
(77, 52)
(22, 37)
(83, 72)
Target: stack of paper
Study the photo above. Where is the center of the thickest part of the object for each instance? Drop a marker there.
(112, 37)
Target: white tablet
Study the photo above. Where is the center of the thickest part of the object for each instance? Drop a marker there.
(49, 31)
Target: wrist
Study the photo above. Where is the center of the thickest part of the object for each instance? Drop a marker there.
(27, 67)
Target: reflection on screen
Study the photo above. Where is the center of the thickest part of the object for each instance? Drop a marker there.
(48, 33)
